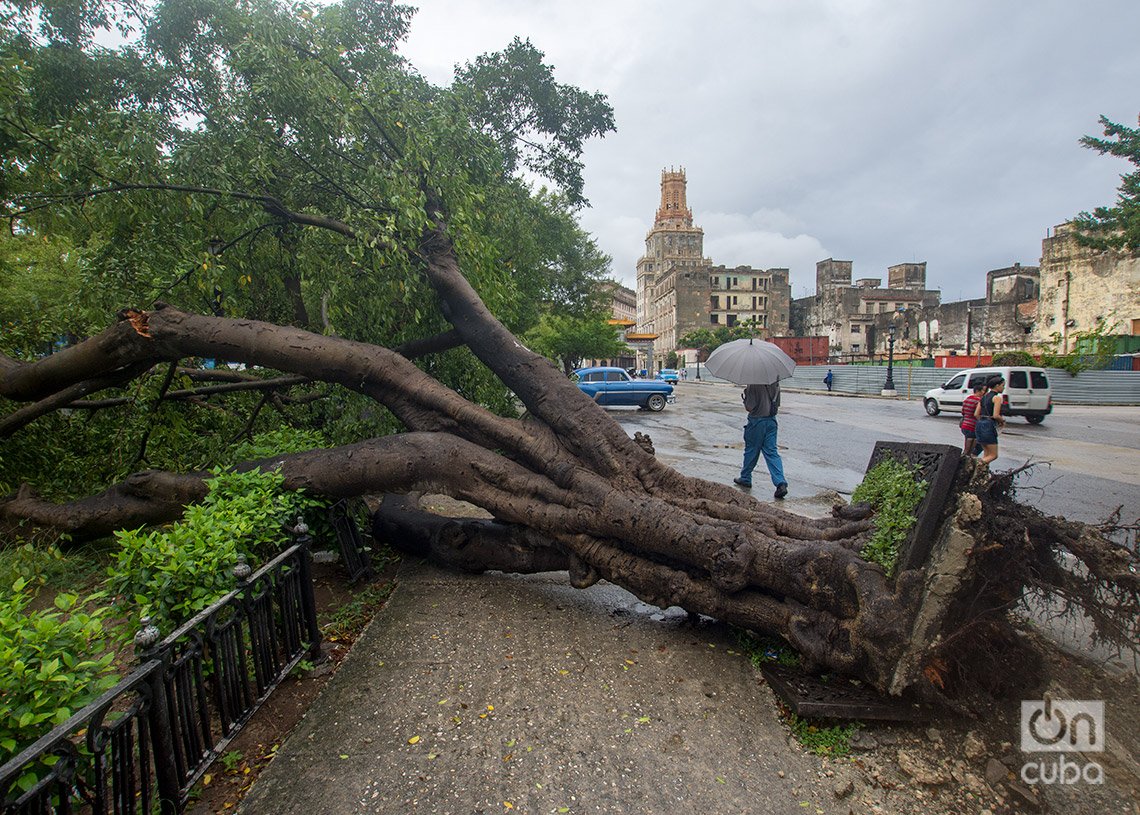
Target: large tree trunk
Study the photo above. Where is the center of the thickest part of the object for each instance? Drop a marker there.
(567, 488)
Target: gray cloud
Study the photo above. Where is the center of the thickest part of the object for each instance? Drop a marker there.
(876, 131)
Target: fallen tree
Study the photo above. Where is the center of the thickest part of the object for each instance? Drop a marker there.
(368, 204)
(569, 489)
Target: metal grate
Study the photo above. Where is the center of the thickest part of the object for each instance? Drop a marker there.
(837, 698)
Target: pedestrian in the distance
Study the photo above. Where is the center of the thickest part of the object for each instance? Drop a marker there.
(762, 403)
(969, 422)
(989, 418)
(827, 380)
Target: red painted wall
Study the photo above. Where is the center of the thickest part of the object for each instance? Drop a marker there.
(974, 361)
(804, 350)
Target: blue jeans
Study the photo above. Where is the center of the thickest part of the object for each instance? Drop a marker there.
(760, 437)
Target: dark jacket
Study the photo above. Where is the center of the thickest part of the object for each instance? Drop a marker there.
(761, 400)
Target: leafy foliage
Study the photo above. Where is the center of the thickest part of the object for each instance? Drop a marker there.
(173, 573)
(891, 488)
(45, 567)
(191, 162)
(279, 441)
(1014, 358)
(1115, 227)
(45, 678)
(76, 452)
(569, 340)
(707, 340)
(537, 122)
(1095, 350)
(823, 740)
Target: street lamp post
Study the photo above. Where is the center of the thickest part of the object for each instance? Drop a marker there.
(698, 366)
(889, 385)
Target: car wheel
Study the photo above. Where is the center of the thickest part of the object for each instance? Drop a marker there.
(932, 407)
(655, 402)
(1035, 419)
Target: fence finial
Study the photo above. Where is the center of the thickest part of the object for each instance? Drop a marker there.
(242, 570)
(147, 635)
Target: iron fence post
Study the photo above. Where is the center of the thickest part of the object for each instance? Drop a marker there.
(167, 783)
(308, 601)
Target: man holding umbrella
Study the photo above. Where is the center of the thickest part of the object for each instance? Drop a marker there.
(762, 403)
(759, 366)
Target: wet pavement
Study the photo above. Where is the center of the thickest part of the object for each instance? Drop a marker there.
(497, 694)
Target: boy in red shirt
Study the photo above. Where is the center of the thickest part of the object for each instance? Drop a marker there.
(969, 423)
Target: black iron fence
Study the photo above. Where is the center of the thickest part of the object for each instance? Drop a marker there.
(143, 745)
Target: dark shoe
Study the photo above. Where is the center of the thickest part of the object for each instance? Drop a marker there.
(741, 482)
(781, 490)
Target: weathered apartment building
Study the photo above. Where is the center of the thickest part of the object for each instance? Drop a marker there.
(1000, 321)
(1075, 289)
(680, 290)
(1082, 288)
(855, 316)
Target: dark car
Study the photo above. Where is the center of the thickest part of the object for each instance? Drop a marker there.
(613, 386)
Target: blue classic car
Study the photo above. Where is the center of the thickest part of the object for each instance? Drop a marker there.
(613, 386)
(669, 375)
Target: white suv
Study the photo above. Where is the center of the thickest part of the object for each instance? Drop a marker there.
(1027, 392)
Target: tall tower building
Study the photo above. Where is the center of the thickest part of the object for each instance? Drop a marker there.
(673, 242)
(679, 290)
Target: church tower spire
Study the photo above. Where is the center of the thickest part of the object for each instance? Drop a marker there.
(673, 211)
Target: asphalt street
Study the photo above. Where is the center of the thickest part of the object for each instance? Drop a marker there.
(1088, 457)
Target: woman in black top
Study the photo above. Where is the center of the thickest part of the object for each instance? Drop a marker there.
(989, 418)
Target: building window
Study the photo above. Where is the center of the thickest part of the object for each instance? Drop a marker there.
(714, 319)
(716, 282)
(730, 319)
(855, 348)
(855, 329)
(715, 301)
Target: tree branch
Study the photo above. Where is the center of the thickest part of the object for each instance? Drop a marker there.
(414, 349)
(26, 415)
(270, 204)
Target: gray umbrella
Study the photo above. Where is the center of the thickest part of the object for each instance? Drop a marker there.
(750, 362)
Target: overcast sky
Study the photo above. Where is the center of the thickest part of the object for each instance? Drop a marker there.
(876, 131)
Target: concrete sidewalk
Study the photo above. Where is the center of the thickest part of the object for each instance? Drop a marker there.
(504, 693)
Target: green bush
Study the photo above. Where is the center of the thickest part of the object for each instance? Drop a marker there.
(44, 566)
(171, 574)
(277, 442)
(55, 662)
(1014, 358)
(892, 490)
